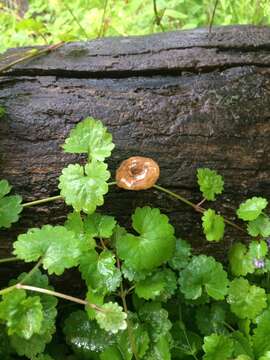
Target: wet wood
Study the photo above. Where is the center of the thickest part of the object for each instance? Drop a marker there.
(183, 98)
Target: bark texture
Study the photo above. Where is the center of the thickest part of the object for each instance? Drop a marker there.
(184, 98)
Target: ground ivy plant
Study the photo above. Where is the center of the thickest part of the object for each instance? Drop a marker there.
(148, 296)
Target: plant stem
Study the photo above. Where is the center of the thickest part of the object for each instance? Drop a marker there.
(27, 276)
(158, 18)
(102, 25)
(52, 198)
(10, 259)
(59, 295)
(194, 206)
(31, 272)
(76, 20)
(179, 197)
(228, 326)
(212, 18)
(123, 294)
(112, 183)
(30, 55)
(42, 201)
(7, 290)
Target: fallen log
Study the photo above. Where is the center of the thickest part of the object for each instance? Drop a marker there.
(187, 99)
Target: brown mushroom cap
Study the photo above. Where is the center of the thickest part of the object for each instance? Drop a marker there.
(137, 173)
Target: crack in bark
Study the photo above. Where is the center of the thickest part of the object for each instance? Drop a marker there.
(121, 74)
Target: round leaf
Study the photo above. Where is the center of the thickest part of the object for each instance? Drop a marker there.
(203, 272)
(84, 187)
(154, 246)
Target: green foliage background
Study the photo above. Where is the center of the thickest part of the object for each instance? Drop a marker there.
(50, 21)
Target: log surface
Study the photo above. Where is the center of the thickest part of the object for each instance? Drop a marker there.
(184, 98)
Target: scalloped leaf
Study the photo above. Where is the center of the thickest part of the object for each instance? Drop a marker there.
(161, 284)
(251, 208)
(246, 301)
(156, 320)
(217, 347)
(211, 318)
(10, 206)
(58, 247)
(213, 225)
(90, 136)
(97, 225)
(111, 317)
(204, 272)
(261, 337)
(210, 182)
(23, 315)
(181, 256)
(84, 336)
(99, 271)
(36, 344)
(259, 226)
(154, 245)
(241, 261)
(83, 187)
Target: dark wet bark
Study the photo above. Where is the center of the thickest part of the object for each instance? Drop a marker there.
(186, 99)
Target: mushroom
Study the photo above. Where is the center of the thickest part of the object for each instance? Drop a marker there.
(137, 173)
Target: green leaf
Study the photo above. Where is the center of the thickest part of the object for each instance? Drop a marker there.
(111, 353)
(111, 317)
(101, 226)
(44, 357)
(259, 226)
(241, 261)
(211, 318)
(246, 301)
(5, 347)
(23, 315)
(133, 275)
(161, 283)
(210, 183)
(30, 25)
(85, 336)
(10, 206)
(185, 342)
(36, 344)
(242, 345)
(203, 272)
(48, 302)
(251, 208)
(159, 350)
(217, 347)
(154, 246)
(258, 249)
(93, 297)
(140, 336)
(50, 243)
(33, 346)
(266, 356)
(181, 256)
(91, 137)
(76, 224)
(83, 187)
(122, 350)
(213, 225)
(156, 320)
(2, 111)
(99, 271)
(261, 337)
